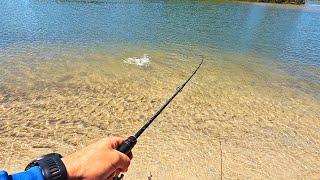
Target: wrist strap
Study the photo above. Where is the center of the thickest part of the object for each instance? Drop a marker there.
(51, 166)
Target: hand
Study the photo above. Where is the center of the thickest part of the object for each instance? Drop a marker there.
(99, 160)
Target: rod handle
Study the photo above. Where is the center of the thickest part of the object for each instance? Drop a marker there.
(125, 148)
(127, 145)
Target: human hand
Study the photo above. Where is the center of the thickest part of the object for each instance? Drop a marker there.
(99, 160)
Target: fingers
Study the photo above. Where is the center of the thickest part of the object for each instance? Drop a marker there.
(130, 155)
(117, 172)
(110, 177)
(115, 176)
(122, 162)
(115, 142)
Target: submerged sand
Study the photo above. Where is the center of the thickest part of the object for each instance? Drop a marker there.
(239, 119)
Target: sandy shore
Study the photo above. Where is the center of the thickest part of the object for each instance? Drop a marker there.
(245, 117)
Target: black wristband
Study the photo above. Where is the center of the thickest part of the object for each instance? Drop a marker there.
(51, 166)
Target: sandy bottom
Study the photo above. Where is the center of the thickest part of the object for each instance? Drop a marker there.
(237, 119)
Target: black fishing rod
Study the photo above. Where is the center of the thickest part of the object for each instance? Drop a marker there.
(129, 143)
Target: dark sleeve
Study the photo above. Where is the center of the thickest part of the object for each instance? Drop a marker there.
(31, 174)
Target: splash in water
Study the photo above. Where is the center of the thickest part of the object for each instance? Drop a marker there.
(145, 60)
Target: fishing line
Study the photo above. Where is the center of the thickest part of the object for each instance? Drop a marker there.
(129, 143)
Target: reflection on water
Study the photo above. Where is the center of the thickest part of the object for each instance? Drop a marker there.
(64, 82)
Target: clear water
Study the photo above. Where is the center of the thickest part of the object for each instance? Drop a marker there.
(64, 81)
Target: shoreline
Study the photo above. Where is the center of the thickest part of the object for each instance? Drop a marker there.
(69, 102)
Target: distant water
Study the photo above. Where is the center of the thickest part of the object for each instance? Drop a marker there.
(287, 33)
(69, 74)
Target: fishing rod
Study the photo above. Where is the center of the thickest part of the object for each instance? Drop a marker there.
(129, 143)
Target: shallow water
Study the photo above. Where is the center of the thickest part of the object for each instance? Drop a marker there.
(253, 108)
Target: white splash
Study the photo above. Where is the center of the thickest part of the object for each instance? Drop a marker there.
(145, 60)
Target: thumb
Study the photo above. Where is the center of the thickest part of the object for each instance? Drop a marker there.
(116, 142)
